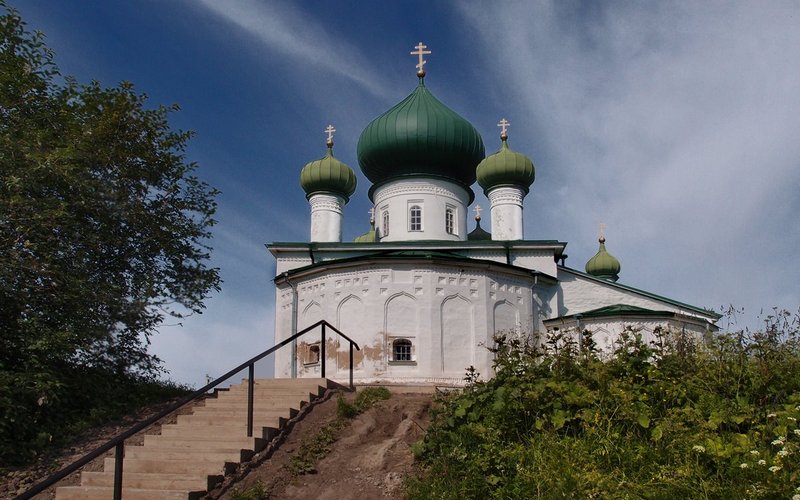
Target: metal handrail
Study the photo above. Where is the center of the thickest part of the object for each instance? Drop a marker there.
(119, 441)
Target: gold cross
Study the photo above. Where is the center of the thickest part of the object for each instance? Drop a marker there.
(421, 53)
(478, 211)
(602, 231)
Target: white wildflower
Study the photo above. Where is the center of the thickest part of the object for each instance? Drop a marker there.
(762, 462)
(778, 442)
(796, 496)
(783, 453)
(797, 432)
(771, 415)
(698, 448)
(774, 468)
(743, 466)
(754, 452)
(791, 419)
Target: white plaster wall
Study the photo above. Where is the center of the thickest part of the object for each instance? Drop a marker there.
(506, 207)
(606, 331)
(433, 195)
(537, 260)
(578, 294)
(326, 217)
(447, 312)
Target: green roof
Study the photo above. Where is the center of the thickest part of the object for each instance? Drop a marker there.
(328, 175)
(370, 236)
(506, 168)
(420, 136)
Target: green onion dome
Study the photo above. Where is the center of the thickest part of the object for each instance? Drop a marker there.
(603, 264)
(420, 136)
(328, 175)
(506, 168)
(479, 234)
(370, 236)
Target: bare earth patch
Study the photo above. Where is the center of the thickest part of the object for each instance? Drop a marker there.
(369, 459)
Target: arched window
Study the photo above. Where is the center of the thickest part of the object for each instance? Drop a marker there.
(385, 224)
(449, 221)
(415, 218)
(401, 350)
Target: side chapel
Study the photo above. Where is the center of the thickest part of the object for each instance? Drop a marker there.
(421, 293)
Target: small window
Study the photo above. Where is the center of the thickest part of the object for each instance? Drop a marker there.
(401, 350)
(385, 224)
(449, 221)
(415, 218)
(312, 354)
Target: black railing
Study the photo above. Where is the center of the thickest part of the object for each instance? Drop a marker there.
(118, 442)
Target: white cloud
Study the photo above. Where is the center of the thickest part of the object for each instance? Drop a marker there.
(675, 124)
(283, 27)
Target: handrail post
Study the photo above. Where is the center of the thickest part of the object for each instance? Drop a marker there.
(351, 367)
(119, 453)
(250, 384)
(322, 349)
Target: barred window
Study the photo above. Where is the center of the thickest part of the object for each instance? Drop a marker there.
(449, 221)
(385, 224)
(415, 218)
(401, 350)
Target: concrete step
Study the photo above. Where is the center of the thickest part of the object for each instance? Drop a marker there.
(106, 493)
(259, 401)
(194, 466)
(244, 442)
(220, 452)
(233, 417)
(210, 432)
(151, 481)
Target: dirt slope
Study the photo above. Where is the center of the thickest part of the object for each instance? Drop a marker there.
(368, 460)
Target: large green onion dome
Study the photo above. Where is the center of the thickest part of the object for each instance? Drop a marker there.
(603, 264)
(420, 136)
(328, 175)
(506, 168)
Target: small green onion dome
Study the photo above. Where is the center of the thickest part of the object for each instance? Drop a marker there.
(479, 234)
(603, 264)
(420, 136)
(370, 236)
(506, 168)
(328, 175)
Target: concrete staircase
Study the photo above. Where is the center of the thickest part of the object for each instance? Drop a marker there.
(192, 455)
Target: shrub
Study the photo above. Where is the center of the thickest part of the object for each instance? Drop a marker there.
(667, 418)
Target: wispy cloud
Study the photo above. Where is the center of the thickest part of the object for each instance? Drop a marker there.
(677, 125)
(283, 27)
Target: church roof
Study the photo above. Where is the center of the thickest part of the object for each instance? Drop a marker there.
(430, 255)
(328, 175)
(420, 136)
(505, 168)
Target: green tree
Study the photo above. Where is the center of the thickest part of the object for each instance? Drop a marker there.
(104, 231)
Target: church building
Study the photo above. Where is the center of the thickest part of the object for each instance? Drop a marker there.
(420, 293)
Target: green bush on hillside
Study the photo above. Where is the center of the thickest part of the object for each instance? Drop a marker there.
(670, 418)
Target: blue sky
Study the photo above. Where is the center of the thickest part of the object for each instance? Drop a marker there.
(674, 123)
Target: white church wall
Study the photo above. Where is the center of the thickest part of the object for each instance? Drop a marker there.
(326, 217)
(578, 294)
(448, 313)
(433, 196)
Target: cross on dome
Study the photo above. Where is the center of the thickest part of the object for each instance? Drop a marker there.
(372, 215)
(602, 232)
(421, 53)
(330, 130)
(503, 124)
(478, 211)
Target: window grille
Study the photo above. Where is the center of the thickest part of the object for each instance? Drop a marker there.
(415, 218)
(401, 350)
